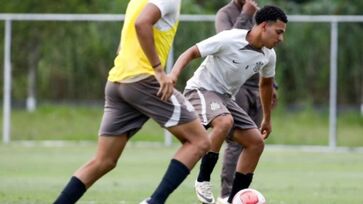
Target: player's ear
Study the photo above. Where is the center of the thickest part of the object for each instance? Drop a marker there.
(264, 25)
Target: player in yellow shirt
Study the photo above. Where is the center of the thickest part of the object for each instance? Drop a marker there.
(138, 89)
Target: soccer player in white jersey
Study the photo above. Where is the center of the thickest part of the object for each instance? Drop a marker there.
(232, 57)
(138, 89)
(240, 14)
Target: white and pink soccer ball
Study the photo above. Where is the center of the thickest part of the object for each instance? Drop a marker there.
(248, 196)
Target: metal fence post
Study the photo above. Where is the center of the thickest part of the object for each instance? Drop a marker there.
(7, 83)
(333, 85)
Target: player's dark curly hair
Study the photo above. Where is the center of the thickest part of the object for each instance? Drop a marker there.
(270, 13)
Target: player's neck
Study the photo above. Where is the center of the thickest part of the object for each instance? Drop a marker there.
(254, 39)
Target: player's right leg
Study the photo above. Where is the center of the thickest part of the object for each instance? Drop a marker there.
(221, 126)
(195, 144)
(178, 116)
(212, 112)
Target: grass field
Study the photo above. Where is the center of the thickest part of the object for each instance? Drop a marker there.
(37, 172)
(305, 127)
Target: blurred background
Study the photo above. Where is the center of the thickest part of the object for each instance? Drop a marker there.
(59, 69)
(63, 67)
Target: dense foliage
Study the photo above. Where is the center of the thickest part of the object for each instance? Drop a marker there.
(71, 59)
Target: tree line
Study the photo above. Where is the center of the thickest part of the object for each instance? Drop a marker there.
(71, 60)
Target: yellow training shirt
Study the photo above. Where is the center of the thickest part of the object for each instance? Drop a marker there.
(131, 62)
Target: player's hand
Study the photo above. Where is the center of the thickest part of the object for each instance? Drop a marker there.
(265, 129)
(173, 78)
(166, 84)
(250, 7)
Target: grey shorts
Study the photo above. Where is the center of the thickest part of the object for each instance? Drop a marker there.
(129, 105)
(209, 104)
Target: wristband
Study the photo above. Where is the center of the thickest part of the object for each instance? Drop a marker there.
(158, 64)
(275, 86)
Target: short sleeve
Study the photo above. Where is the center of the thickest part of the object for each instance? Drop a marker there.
(212, 45)
(269, 70)
(165, 6)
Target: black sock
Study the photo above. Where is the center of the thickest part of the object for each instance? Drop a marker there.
(72, 192)
(174, 176)
(207, 165)
(241, 181)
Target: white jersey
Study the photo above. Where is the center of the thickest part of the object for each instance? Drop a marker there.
(230, 61)
(170, 12)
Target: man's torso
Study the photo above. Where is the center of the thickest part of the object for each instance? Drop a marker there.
(131, 62)
(226, 17)
(230, 62)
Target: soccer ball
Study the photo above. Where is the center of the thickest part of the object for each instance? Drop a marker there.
(248, 196)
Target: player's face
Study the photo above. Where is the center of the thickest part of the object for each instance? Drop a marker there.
(274, 33)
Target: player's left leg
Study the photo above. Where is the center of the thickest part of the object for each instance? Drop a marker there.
(119, 122)
(244, 99)
(253, 143)
(109, 150)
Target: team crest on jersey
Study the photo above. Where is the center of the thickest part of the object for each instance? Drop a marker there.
(215, 106)
(258, 66)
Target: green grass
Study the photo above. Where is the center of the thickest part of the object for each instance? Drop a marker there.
(68, 123)
(80, 123)
(37, 173)
(311, 127)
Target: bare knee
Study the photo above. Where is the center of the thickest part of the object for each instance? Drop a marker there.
(200, 141)
(223, 123)
(251, 139)
(204, 144)
(258, 146)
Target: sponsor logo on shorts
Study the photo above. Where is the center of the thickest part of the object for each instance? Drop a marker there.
(215, 106)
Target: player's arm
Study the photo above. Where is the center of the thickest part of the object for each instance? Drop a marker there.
(266, 90)
(144, 30)
(245, 19)
(210, 46)
(183, 60)
(274, 95)
(222, 22)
